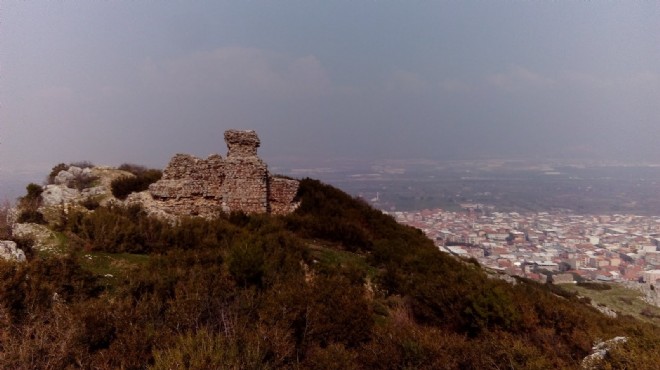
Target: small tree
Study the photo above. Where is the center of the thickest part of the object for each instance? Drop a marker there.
(124, 186)
(30, 204)
(55, 171)
(32, 199)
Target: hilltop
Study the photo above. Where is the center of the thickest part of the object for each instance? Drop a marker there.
(335, 284)
(331, 284)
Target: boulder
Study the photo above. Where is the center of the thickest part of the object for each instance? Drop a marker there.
(95, 191)
(44, 239)
(599, 352)
(58, 194)
(75, 171)
(63, 178)
(10, 252)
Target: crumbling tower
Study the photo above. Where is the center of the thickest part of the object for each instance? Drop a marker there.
(245, 185)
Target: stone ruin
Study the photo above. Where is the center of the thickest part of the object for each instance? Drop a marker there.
(240, 182)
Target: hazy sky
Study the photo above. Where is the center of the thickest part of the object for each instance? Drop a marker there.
(137, 81)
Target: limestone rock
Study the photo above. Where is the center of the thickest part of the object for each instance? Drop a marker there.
(58, 194)
(151, 206)
(605, 310)
(599, 351)
(75, 171)
(31, 231)
(95, 191)
(63, 178)
(66, 177)
(9, 251)
(43, 237)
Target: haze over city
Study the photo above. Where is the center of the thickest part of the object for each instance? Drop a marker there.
(119, 81)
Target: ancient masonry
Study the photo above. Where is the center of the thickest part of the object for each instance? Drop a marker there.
(240, 182)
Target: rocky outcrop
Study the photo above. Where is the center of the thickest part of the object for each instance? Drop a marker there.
(76, 184)
(10, 252)
(599, 352)
(44, 239)
(206, 187)
(54, 195)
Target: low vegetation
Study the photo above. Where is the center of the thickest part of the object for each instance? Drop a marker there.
(624, 301)
(140, 181)
(335, 285)
(79, 181)
(29, 205)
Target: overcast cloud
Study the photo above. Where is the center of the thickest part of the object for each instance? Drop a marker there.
(137, 81)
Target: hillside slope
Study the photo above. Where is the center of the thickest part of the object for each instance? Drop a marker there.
(334, 285)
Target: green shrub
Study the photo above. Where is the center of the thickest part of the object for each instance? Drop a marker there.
(246, 263)
(33, 191)
(55, 171)
(81, 181)
(594, 286)
(29, 205)
(124, 186)
(135, 169)
(82, 164)
(31, 216)
(91, 203)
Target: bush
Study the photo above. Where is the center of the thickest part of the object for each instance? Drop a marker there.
(31, 216)
(81, 182)
(55, 171)
(82, 164)
(135, 169)
(124, 186)
(246, 263)
(91, 204)
(29, 205)
(33, 191)
(594, 286)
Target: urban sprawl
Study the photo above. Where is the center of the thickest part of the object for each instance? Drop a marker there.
(562, 247)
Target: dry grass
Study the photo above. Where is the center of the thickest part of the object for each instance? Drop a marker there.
(622, 300)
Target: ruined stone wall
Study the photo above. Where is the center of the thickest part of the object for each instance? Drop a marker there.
(187, 176)
(281, 195)
(241, 182)
(241, 143)
(246, 185)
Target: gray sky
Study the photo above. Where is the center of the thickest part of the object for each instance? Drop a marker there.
(137, 81)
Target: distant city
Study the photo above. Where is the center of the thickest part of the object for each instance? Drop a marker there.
(596, 221)
(537, 245)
